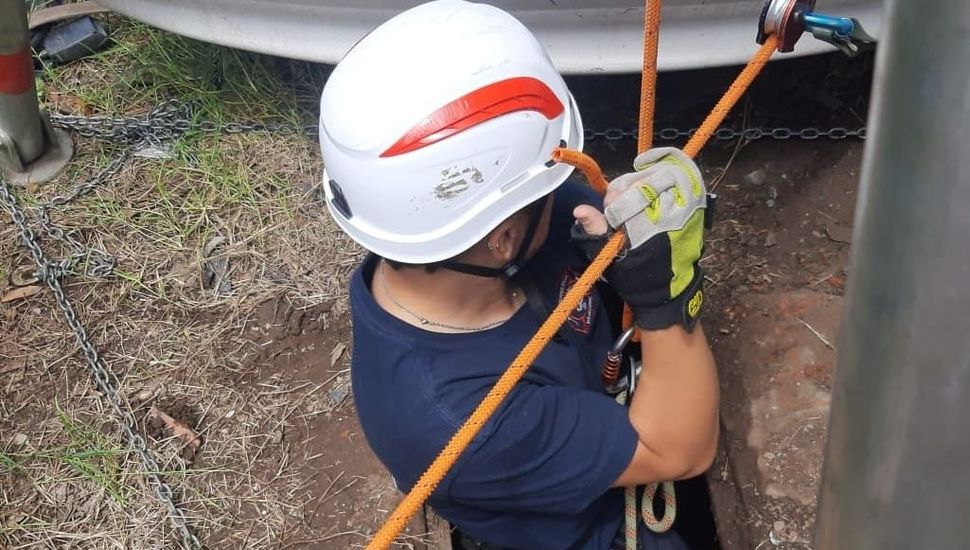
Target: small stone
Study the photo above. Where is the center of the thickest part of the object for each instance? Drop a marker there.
(770, 203)
(757, 177)
(769, 455)
(19, 440)
(838, 233)
(817, 235)
(771, 239)
(779, 526)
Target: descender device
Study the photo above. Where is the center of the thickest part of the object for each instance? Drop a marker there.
(789, 19)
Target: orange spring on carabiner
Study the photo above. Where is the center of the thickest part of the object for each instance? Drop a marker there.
(614, 359)
(611, 369)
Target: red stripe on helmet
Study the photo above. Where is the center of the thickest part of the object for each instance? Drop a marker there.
(16, 72)
(483, 104)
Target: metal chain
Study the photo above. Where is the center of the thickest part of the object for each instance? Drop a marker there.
(156, 128)
(164, 123)
(51, 272)
(174, 118)
(170, 119)
(726, 133)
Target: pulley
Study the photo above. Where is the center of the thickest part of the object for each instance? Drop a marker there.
(789, 19)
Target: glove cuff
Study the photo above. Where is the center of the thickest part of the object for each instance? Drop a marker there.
(683, 310)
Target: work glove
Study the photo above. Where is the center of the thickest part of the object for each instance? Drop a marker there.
(661, 206)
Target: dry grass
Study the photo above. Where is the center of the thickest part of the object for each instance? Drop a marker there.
(66, 479)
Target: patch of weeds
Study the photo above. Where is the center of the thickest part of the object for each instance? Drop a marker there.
(9, 463)
(89, 453)
(146, 66)
(92, 455)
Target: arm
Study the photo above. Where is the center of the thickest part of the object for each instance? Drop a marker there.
(675, 408)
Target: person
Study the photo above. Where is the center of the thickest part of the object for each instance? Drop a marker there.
(437, 131)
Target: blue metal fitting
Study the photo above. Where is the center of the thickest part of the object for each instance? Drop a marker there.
(841, 26)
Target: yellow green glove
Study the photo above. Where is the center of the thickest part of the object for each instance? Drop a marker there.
(661, 207)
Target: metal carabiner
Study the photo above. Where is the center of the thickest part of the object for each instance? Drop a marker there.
(789, 19)
(610, 376)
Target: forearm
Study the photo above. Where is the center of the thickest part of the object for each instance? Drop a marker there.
(675, 407)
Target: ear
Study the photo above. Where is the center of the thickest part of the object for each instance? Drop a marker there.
(503, 242)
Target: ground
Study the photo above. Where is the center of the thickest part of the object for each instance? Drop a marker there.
(779, 274)
(226, 320)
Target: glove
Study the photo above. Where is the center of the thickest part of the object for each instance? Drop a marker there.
(661, 207)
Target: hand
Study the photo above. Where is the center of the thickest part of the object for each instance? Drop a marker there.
(661, 207)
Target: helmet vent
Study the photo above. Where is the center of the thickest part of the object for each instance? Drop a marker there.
(480, 106)
(339, 201)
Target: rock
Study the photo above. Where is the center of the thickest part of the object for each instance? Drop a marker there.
(756, 177)
(771, 239)
(19, 440)
(770, 203)
(838, 233)
(779, 526)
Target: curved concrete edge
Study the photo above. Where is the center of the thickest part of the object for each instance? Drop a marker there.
(601, 40)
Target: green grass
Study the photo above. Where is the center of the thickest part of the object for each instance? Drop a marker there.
(89, 454)
(146, 66)
(9, 463)
(92, 455)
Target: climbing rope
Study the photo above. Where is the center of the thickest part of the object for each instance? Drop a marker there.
(430, 479)
(648, 76)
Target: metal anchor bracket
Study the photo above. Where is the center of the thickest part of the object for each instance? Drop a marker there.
(789, 19)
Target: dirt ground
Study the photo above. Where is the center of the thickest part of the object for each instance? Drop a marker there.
(778, 262)
(259, 372)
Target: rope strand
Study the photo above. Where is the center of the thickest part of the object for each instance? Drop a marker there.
(648, 77)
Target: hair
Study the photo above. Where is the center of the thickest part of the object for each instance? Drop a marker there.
(396, 265)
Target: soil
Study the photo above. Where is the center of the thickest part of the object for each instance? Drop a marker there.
(352, 492)
(777, 260)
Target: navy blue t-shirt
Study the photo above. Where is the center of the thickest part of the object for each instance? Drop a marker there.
(538, 474)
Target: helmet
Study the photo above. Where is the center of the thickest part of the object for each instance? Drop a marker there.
(437, 126)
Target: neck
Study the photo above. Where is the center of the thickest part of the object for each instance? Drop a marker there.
(444, 296)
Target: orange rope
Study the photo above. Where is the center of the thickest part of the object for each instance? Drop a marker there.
(648, 78)
(731, 97)
(585, 164)
(426, 484)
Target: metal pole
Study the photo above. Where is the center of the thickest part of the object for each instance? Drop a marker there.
(897, 464)
(19, 112)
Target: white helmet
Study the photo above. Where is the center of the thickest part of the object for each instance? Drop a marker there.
(437, 126)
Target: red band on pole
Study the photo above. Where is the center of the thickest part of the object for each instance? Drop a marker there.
(16, 72)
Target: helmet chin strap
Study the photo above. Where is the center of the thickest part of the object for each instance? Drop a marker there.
(510, 269)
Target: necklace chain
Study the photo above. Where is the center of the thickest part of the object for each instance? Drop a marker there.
(424, 321)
